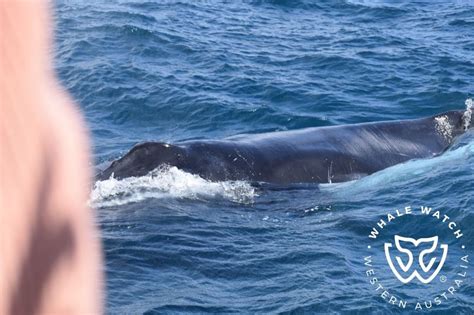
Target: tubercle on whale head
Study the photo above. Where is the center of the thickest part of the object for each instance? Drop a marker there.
(453, 123)
(467, 116)
(468, 120)
(142, 159)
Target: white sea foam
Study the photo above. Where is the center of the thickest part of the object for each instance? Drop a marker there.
(167, 182)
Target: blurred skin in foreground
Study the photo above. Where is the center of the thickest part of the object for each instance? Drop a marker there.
(50, 259)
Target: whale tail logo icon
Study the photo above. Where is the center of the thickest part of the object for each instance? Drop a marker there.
(406, 269)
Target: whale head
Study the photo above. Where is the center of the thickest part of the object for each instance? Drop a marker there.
(468, 120)
(452, 124)
(142, 159)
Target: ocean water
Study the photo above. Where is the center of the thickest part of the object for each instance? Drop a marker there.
(179, 70)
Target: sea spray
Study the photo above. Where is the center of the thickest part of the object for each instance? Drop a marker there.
(167, 182)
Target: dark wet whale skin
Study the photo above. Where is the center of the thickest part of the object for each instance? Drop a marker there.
(320, 154)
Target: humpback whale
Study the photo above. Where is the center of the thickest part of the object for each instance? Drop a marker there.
(318, 154)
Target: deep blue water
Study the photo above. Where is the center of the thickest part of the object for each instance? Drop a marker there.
(178, 70)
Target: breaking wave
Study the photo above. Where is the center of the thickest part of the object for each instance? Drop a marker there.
(402, 173)
(168, 182)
